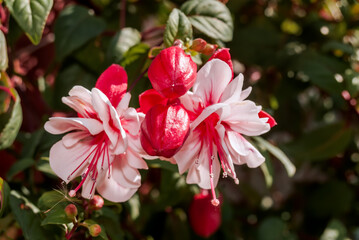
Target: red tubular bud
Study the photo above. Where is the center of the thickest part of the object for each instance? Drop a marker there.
(95, 230)
(165, 129)
(71, 211)
(205, 218)
(198, 44)
(172, 73)
(96, 202)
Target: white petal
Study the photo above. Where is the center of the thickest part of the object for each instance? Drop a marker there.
(72, 138)
(59, 125)
(81, 92)
(88, 188)
(254, 158)
(187, 155)
(211, 81)
(131, 121)
(232, 92)
(123, 104)
(64, 161)
(135, 160)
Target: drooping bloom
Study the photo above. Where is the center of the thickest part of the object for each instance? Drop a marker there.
(172, 73)
(101, 145)
(221, 117)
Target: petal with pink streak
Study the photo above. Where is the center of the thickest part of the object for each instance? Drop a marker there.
(64, 161)
(82, 93)
(72, 138)
(222, 136)
(110, 121)
(88, 188)
(232, 92)
(188, 154)
(123, 104)
(207, 112)
(200, 174)
(211, 81)
(59, 125)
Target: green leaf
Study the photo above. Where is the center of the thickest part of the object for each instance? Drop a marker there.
(334, 231)
(4, 195)
(273, 228)
(267, 170)
(320, 70)
(275, 151)
(19, 166)
(321, 143)
(210, 17)
(50, 199)
(56, 215)
(178, 27)
(9, 132)
(26, 215)
(3, 52)
(74, 27)
(157, 163)
(324, 200)
(121, 43)
(31, 16)
(43, 165)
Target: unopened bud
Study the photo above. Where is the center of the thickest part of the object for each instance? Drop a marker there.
(210, 49)
(95, 230)
(165, 129)
(172, 73)
(71, 211)
(96, 203)
(198, 45)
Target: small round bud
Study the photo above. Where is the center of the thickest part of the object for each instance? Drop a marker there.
(198, 45)
(209, 49)
(71, 211)
(94, 230)
(96, 202)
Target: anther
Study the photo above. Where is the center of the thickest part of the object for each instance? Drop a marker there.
(215, 202)
(225, 174)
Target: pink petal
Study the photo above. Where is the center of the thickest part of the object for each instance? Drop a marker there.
(131, 121)
(212, 79)
(207, 112)
(123, 105)
(124, 174)
(271, 120)
(81, 93)
(253, 158)
(113, 83)
(135, 160)
(64, 161)
(88, 188)
(150, 98)
(59, 125)
(224, 55)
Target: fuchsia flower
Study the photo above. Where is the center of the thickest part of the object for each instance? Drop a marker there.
(102, 145)
(220, 118)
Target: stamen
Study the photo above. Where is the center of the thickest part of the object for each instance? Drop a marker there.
(225, 174)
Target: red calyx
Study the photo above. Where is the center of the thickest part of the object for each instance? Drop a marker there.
(224, 55)
(113, 83)
(271, 120)
(172, 73)
(205, 218)
(150, 98)
(164, 129)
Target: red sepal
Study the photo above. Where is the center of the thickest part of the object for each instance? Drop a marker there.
(271, 120)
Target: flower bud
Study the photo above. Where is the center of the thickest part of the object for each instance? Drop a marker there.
(71, 211)
(205, 218)
(164, 129)
(209, 49)
(198, 44)
(96, 203)
(271, 121)
(172, 73)
(95, 230)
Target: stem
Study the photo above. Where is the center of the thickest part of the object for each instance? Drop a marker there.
(69, 234)
(137, 79)
(123, 14)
